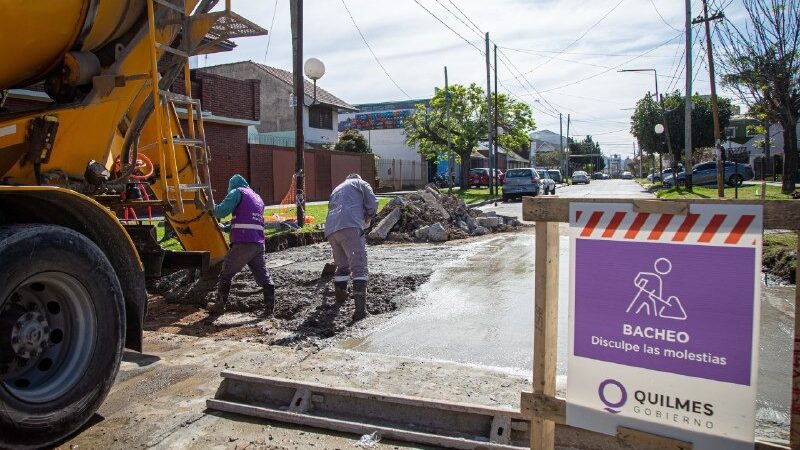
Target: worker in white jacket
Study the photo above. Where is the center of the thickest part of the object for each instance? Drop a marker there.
(350, 209)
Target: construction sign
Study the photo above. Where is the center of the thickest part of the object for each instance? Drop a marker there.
(664, 321)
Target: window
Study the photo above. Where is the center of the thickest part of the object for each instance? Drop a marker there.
(320, 117)
(520, 173)
(730, 132)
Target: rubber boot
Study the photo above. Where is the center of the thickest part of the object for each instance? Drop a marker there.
(360, 299)
(218, 306)
(340, 291)
(269, 299)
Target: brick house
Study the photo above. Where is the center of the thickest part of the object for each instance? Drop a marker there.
(320, 121)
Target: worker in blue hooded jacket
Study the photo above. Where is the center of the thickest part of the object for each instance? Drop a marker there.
(247, 243)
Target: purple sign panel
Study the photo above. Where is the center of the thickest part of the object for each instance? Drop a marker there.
(684, 309)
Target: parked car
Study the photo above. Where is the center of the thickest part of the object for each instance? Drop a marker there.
(579, 177)
(658, 176)
(627, 175)
(547, 183)
(597, 176)
(555, 174)
(519, 182)
(606, 176)
(706, 173)
(480, 177)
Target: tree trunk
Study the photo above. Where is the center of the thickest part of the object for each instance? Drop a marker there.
(789, 156)
(465, 166)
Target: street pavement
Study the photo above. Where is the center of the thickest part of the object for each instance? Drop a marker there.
(595, 189)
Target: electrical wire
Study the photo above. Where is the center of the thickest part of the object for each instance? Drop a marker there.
(612, 68)
(528, 50)
(593, 26)
(662, 17)
(449, 28)
(269, 33)
(377, 60)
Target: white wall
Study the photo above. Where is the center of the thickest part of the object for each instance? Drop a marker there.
(391, 144)
(317, 135)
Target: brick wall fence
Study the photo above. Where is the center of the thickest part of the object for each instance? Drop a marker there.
(272, 168)
(269, 169)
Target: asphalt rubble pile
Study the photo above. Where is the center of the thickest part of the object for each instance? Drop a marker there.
(428, 215)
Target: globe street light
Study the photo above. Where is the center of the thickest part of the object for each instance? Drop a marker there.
(314, 69)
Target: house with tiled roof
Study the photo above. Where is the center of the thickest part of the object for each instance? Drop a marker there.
(320, 121)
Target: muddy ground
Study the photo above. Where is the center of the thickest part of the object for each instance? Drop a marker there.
(306, 315)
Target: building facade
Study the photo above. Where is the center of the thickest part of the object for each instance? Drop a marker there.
(276, 117)
(399, 165)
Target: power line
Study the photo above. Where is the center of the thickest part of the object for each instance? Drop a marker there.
(448, 27)
(477, 28)
(615, 67)
(352, 19)
(662, 17)
(582, 35)
(269, 33)
(529, 50)
(479, 33)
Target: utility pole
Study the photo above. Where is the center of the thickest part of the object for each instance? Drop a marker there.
(489, 115)
(299, 100)
(640, 158)
(451, 160)
(496, 120)
(687, 131)
(706, 20)
(765, 165)
(567, 152)
(561, 137)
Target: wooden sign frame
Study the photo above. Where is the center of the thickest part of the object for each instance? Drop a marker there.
(542, 406)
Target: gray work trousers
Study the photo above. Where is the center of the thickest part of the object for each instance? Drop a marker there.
(349, 247)
(241, 254)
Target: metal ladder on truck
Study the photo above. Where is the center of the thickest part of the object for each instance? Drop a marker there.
(200, 33)
(165, 106)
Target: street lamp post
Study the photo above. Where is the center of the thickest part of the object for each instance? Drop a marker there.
(663, 118)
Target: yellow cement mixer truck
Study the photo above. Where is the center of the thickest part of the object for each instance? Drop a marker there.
(72, 274)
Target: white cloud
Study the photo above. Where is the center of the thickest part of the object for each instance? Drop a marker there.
(414, 47)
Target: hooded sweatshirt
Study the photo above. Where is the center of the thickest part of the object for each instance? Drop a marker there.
(247, 209)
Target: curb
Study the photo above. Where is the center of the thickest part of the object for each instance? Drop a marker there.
(484, 203)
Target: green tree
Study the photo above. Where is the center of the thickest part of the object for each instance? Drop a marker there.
(582, 155)
(761, 62)
(550, 159)
(352, 141)
(427, 126)
(648, 114)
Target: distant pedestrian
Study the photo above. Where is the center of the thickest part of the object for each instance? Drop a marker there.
(247, 243)
(350, 210)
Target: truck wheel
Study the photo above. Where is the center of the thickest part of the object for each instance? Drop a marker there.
(62, 320)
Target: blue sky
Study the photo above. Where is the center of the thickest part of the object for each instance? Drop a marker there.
(568, 50)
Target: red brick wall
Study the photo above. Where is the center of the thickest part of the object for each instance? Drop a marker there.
(223, 96)
(272, 168)
(229, 155)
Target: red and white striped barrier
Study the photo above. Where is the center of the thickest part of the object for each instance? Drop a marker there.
(704, 224)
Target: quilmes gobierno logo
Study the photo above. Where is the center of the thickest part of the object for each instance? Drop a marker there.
(611, 390)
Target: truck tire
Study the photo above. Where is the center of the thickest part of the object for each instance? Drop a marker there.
(62, 319)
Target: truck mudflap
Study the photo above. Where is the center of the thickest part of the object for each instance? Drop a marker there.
(67, 208)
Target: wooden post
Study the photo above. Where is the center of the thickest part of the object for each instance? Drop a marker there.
(794, 436)
(545, 322)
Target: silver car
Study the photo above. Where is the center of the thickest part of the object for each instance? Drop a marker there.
(580, 176)
(706, 173)
(526, 182)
